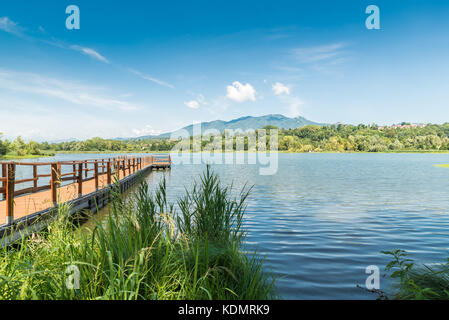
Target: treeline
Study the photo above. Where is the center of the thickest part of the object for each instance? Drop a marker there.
(19, 147)
(363, 138)
(334, 138)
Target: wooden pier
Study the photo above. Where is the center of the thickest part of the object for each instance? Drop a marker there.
(85, 184)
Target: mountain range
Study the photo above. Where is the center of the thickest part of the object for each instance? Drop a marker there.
(244, 123)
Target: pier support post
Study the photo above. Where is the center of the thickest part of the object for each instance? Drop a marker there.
(75, 177)
(96, 174)
(35, 178)
(10, 186)
(54, 184)
(80, 179)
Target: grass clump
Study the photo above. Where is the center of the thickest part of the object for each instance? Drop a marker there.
(417, 283)
(143, 249)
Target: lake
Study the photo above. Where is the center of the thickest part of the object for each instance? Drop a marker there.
(323, 218)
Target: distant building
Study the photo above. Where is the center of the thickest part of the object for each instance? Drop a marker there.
(404, 126)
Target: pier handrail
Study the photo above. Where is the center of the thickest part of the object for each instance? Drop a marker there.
(78, 174)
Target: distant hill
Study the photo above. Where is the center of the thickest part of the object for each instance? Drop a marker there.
(245, 123)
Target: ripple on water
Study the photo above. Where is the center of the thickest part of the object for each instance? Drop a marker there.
(323, 218)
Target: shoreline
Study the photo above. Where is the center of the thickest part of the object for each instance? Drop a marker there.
(246, 151)
(10, 157)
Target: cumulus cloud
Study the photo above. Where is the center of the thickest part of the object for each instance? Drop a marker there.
(280, 88)
(195, 104)
(146, 131)
(240, 93)
(192, 104)
(91, 53)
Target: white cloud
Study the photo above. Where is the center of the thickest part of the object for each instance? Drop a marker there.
(240, 93)
(12, 27)
(201, 99)
(280, 88)
(67, 91)
(9, 26)
(195, 104)
(192, 104)
(319, 53)
(152, 79)
(294, 105)
(90, 52)
(146, 131)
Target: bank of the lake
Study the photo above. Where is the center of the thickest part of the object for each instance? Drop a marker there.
(11, 156)
(143, 250)
(321, 219)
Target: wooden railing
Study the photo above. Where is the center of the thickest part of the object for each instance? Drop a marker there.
(77, 172)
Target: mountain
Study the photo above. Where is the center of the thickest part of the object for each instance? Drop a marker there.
(245, 123)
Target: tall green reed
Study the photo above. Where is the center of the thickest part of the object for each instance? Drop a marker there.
(143, 249)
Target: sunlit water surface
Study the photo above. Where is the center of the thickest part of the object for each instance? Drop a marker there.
(323, 218)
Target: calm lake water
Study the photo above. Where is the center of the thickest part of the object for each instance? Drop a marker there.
(323, 218)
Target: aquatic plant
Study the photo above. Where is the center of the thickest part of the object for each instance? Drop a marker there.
(143, 249)
(417, 283)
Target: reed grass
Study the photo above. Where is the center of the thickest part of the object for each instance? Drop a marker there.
(144, 249)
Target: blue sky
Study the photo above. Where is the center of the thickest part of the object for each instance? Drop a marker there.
(146, 67)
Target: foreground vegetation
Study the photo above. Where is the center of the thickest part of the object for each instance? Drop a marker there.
(334, 138)
(143, 250)
(417, 282)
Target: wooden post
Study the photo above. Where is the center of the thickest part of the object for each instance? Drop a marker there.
(35, 178)
(134, 165)
(74, 172)
(80, 179)
(109, 172)
(129, 166)
(123, 168)
(4, 175)
(85, 167)
(10, 185)
(96, 174)
(54, 183)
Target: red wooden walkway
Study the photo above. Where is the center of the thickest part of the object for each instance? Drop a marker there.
(85, 177)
